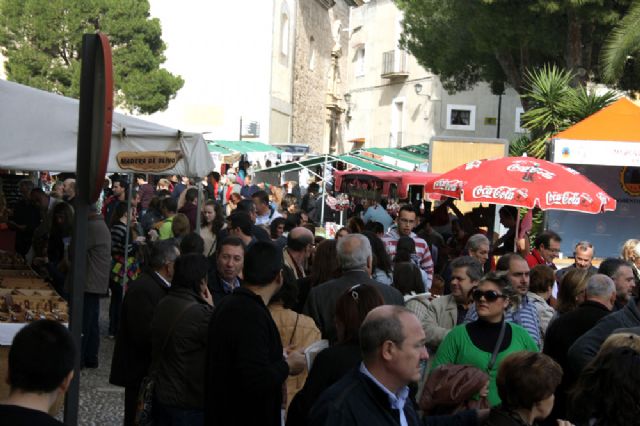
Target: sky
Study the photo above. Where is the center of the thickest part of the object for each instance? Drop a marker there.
(221, 50)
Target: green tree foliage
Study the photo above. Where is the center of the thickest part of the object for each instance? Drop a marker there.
(465, 42)
(621, 53)
(554, 105)
(41, 40)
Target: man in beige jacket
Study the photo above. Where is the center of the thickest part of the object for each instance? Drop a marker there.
(446, 312)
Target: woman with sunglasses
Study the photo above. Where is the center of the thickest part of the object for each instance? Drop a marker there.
(485, 342)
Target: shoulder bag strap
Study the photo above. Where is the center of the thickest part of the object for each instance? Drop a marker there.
(295, 327)
(494, 355)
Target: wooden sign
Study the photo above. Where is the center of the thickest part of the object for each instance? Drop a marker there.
(149, 161)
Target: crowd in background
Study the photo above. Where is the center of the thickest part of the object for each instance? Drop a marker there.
(425, 314)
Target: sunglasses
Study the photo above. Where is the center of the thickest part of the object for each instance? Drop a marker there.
(489, 295)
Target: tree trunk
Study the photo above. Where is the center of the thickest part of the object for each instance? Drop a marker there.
(573, 53)
(511, 71)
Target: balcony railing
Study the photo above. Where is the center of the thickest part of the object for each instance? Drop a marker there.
(394, 64)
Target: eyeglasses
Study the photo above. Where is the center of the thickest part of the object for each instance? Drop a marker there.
(489, 295)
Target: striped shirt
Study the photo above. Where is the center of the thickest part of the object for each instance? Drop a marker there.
(526, 316)
(390, 240)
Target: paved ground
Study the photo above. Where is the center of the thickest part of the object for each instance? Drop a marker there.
(101, 403)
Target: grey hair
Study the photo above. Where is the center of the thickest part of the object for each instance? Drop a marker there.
(353, 256)
(584, 246)
(162, 252)
(600, 285)
(375, 331)
(475, 241)
(474, 268)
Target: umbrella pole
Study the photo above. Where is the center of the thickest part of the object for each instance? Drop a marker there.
(517, 232)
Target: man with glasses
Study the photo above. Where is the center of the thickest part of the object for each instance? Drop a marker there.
(405, 222)
(546, 247)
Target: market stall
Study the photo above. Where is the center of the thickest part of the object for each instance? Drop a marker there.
(390, 185)
(39, 132)
(605, 147)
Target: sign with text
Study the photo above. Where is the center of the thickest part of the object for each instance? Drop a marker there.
(149, 161)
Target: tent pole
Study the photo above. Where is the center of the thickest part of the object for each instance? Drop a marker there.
(126, 237)
(199, 209)
(324, 190)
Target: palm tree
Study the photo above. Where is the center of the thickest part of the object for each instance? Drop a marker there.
(621, 45)
(555, 105)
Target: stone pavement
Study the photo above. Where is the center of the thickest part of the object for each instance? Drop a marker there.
(101, 403)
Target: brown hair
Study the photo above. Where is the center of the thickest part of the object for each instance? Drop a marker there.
(525, 378)
(352, 308)
(180, 225)
(325, 262)
(541, 279)
(573, 283)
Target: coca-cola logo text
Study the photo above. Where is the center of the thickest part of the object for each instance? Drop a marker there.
(532, 169)
(567, 198)
(506, 193)
(447, 184)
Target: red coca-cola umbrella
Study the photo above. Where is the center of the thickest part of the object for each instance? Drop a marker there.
(522, 182)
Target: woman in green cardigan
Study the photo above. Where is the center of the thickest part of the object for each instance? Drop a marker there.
(475, 343)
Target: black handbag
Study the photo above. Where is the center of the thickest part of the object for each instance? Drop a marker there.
(144, 407)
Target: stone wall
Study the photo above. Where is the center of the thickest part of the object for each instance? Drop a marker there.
(315, 36)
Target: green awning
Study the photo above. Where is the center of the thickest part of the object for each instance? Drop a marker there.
(218, 149)
(421, 150)
(246, 147)
(399, 154)
(362, 162)
(367, 164)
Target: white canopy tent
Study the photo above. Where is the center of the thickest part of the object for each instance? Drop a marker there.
(39, 131)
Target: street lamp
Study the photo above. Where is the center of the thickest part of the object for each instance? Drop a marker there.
(418, 88)
(347, 99)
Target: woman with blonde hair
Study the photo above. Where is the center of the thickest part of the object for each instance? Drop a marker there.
(631, 253)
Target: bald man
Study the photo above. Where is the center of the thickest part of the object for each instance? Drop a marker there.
(300, 247)
(392, 343)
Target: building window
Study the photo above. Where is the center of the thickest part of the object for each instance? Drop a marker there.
(461, 117)
(360, 68)
(518, 126)
(312, 53)
(284, 29)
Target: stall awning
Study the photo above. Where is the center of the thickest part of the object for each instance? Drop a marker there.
(246, 147)
(398, 154)
(362, 162)
(605, 138)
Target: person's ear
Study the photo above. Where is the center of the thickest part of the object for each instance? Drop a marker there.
(387, 350)
(66, 382)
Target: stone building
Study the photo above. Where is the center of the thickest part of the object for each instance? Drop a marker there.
(320, 67)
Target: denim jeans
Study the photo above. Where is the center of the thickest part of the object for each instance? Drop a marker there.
(164, 415)
(90, 330)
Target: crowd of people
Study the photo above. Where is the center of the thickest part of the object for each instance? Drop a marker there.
(427, 321)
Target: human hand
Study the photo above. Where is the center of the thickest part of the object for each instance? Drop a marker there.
(564, 423)
(206, 295)
(296, 361)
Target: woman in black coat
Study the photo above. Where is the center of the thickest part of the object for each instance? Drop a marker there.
(179, 340)
(333, 363)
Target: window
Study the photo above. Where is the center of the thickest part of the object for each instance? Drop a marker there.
(312, 53)
(284, 29)
(518, 127)
(360, 68)
(461, 117)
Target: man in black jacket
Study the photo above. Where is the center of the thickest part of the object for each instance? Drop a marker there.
(392, 342)
(567, 328)
(355, 259)
(246, 368)
(132, 351)
(224, 274)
